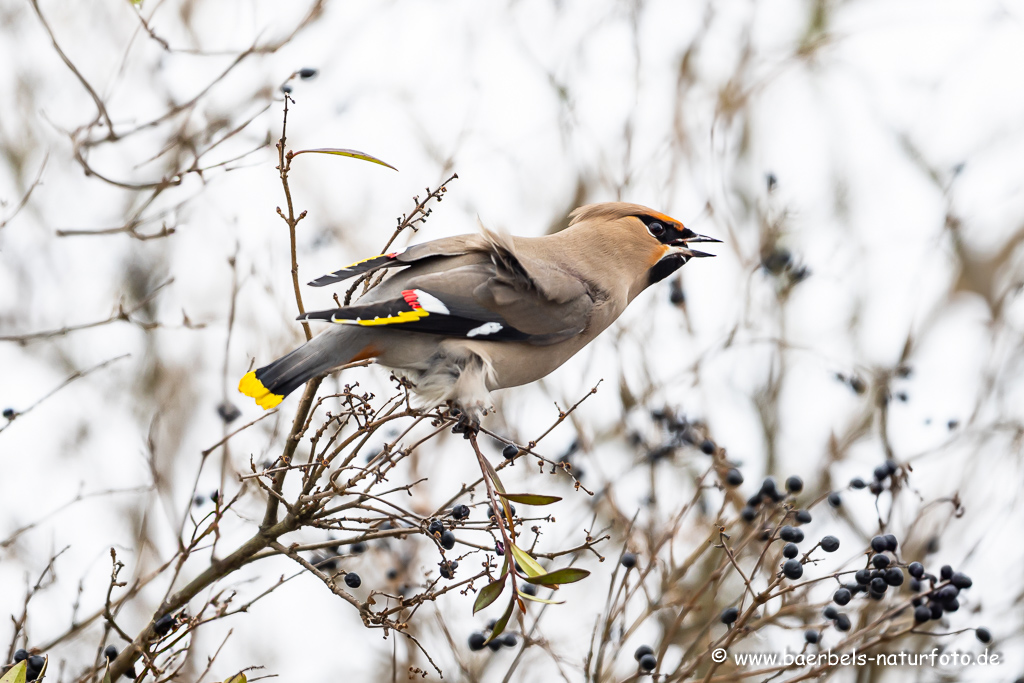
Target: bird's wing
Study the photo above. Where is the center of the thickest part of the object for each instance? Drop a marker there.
(448, 246)
(506, 299)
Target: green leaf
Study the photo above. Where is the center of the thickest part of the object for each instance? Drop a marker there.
(529, 565)
(237, 678)
(559, 576)
(530, 498)
(500, 625)
(16, 674)
(355, 154)
(488, 594)
(536, 599)
(106, 674)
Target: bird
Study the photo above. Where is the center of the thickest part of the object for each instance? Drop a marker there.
(471, 314)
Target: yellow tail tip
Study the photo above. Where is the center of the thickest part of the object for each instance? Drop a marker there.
(252, 387)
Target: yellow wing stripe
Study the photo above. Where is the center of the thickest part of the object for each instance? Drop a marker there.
(402, 317)
(252, 387)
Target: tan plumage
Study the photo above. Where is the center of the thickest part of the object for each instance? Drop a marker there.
(475, 313)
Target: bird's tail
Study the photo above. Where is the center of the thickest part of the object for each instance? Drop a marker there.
(271, 383)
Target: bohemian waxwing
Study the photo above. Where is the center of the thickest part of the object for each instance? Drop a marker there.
(475, 313)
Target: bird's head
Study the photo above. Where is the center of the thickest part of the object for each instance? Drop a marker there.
(660, 240)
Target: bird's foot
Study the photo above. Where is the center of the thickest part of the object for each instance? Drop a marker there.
(466, 425)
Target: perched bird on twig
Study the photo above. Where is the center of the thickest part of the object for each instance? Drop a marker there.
(475, 313)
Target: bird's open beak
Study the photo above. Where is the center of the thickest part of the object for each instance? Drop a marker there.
(681, 245)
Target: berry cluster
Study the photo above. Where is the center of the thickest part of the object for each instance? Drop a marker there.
(884, 473)
(942, 596)
(35, 664)
(769, 494)
(478, 639)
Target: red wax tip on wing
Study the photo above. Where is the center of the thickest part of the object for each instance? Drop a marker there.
(410, 298)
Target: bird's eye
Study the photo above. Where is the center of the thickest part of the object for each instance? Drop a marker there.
(656, 229)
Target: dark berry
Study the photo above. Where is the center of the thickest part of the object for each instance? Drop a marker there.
(881, 472)
(495, 644)
(893, 576)
(961, 580)
(936, 610)
(307, 73)
(352, 580)
(357, 548)
(509, 640)
(733, 477)
(983, 634)
(857, 483)
(875, 487)
(880, 561)
(755, 500)
(460, 512)
(729, 615)
(748, 513)
(392, 574)
(891, 543)
(789, 551)
(510, 451)
(215, 496)
(951, 605)
(834, 499)
(648, 662)
(447, 540)
(830, 544)
(811, 636)
(435, 528)
(793, 569)
(791, 534)
(803, 516)
(20, 655)
(916, 569)
(642, 652)
(878, 585)
(843, 622)
(794, 484)
(199, 500)
(491, 624)
(922, 613)
(628, 560)
(228, 412)
(891, 466)
(448, 569)
(917, 601)
(110, 652)
(35, 665)
(915, 585)
(499, 549)
(529, 589)
(769, 490)
(878, 544)
(707, 446)
(286, 88)
(163, 625)
(830, 612)
(946, 572)
(863, 576)
(842, 596)
(476, 641)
